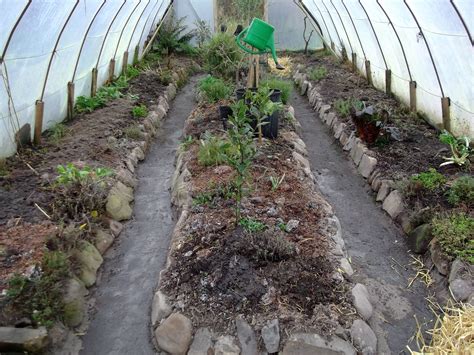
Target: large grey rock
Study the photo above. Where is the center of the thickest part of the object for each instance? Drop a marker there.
(160, 308)
(393, 204)
(138, 153)
(115, 227)
(439, 258)
(360, 297)
(174, 334)
(419, 239)
(296, 347)
(126, 177)
(363, 337)
(384, 190)
(74, 302)
(118, 202)
(324, 109)
(226, 345)
(171, 91)
(202, 343)
(103, 240)
(461, 289)
(343, 138)
(246, 335)
(358, 150)
(304, 87)
(88, 260)
(351, 141)
(271, 335)
(367, 165)
(339, 129)
(23, 339)
(346, 267)
(331, 345)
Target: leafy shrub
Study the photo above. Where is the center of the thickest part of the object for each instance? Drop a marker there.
(139, 111)
(317, 73)
(221, 191)
(430, 180)
(268, 245)
(222, 55)
(460, 149)
(88, 104)
(455, 233)
(252, 225)
(343, 107)
(203, 32)
(104, 94)
(215, 89)
(214, 150)
(284, 86)
(132, 72)
(462, 191)
(172, 36)
(133, 132)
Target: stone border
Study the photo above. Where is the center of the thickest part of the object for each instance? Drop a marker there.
(458, 273)
(172, 332)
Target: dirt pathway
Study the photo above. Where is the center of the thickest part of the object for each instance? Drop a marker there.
(125, 288)
(375, 245)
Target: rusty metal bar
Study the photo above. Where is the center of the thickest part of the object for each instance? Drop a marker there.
(7, 43)
(462, 20)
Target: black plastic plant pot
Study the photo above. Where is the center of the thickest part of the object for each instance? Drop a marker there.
(270, 128)
(224, 113)
(276, 95)
(240, 93)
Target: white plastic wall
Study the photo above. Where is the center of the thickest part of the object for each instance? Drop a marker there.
(426, 42)
(44, 44)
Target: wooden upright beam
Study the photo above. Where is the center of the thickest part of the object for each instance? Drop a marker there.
(125, 62)
(388, 82)
(94, 82)
(413, 96)
(445, 103)
(70, 100)
(354, 62)
(111, 70)
(136, 54)
(39, 111)
(368, 72)
(333, 46)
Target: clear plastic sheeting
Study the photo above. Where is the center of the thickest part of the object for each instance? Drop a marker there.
(425, 44)
(44, 45)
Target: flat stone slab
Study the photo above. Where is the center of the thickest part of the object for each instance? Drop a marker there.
(393, 204)
(23, 339)
(331, 345)
(360, 296)
(363, 337)
(367, 165)
(174, 334)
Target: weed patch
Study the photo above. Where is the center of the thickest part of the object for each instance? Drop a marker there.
(139, 111)
(215, 89)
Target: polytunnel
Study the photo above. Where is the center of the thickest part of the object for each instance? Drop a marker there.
(236, 177)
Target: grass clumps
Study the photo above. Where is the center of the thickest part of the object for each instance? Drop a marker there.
(252, 225)
(222, 55)
(455, 233)
(139, 111)
(214, 150)
(462, 191)
(429, 180)
(215, 89)
(284, 86)
(317, 73)
(343, 107)
(133, 132)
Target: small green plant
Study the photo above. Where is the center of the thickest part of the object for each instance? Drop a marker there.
(57, 132)
(187, 142)
(317, 73)
(214, 150)
(462, 191)
(203, 32)
(222, 55)
(172, 36)
(262, 107)
(88, 104)
(460, 149)
(252, 225)
(323, 53)
(455, 233)
(284, 86)
(343, 107)
(276, 181)
(70, 173)
(132, 72)
(215, 89)
(139, 111)
(282, 226)
(430, 180)
(203, 198)
(133, 132)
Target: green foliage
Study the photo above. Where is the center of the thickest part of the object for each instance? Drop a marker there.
(343, 107)
(261, 106)
(460, 149)
(133, 132)
(3, 167)
(104, 94)
(202, 32)
(317, 73)
(71, 174)
(323, 53)
(214, 150)
(276, 181)
(132, 72)
(187, 142)
(172, 36)
(57, 132)
(455, 233)
(462, 191)
(139, 111)
(221, 191)
(284, 86)
(203, 198)
(252, 225)
(88, 104)
(222, 55)
(215, 89)
(430, 180)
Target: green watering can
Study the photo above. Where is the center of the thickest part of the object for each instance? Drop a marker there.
(260, 36)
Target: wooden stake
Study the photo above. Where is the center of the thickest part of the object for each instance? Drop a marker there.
(354, 62)
(70, 100)
(136, 54)
(368, 72)
(388, 82)
(445, 103)
(111, 70)
(39, 111)
(125, 62)
(94, 82)
(413, 96)
(333, 46)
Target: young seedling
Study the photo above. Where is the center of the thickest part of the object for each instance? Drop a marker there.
(139, 111)
(460, 149)
(276, 181)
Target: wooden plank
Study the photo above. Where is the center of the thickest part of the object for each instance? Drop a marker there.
(445, 103)
(368, 72)
(136, 53)
(413, 96)
(94, 82)
(388, 82)
(39, 111)
(354, 62)
(70, 100)
(111, 70)
(125, 62)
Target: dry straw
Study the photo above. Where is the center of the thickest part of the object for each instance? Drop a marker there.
(286, 63)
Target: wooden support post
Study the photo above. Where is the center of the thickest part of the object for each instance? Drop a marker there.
(333, 46)
(125, 62)
(368, 72)
(39, 111)
(354, 62)
(70, 100)
(388, 82)
(136, 54)
(413, 96)
(111, 70)
(94, 82)
(252, 80)
(445, 103)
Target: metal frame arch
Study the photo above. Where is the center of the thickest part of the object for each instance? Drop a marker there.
(124, 26)
(55, 47)
(462, 21)
(343, 27)
(324, 21)
(7, 43)
(136, 24)
(355, 29)
(148, 19)
(306, 11)
(398, 37)
(427, 47)
(333, 24)
(84, 39)
(107, 33)
(156, 15)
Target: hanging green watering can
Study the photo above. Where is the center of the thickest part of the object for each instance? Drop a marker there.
(260, 36)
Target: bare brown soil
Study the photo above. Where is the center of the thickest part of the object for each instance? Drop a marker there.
(221, 271)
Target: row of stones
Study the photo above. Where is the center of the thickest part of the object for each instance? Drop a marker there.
(173, 331)
(460, 280)
(89, 254)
